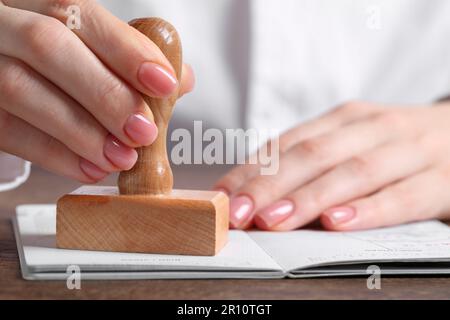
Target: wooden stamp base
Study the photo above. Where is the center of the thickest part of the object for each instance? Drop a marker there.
(183, 222)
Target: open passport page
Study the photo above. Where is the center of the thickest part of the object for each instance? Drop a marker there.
(417, 248)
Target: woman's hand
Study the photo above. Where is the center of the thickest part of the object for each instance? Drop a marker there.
(360, 166)
(70, 99)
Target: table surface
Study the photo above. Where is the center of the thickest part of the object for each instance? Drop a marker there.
(43, 187)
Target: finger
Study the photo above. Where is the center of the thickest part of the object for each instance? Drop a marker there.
(355, 178)
(423, 196)
(50, 110)
(341, 116)
(23, 140)
(187, 80)
(238, 175)
(306, 161)
(122, 48)
(52, 50)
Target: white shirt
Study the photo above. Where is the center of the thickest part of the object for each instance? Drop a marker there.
(276, 63)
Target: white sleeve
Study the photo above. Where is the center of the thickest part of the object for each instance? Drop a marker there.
(13, 171)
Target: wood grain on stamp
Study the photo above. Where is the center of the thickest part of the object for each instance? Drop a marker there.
(152, 173)
(147, 216)
(184, 222)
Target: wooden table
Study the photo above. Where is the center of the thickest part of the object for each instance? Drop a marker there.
(43, 187)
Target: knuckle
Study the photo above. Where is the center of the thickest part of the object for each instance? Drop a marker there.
(444, 172)
(390, 120)
(361, 165)
(43, 36)
(5, 120)
(429, 146)
(233, 179)
(315, 200)
(118, 98)
(263, 189)
(375, 205)
(238, 175)
(76, 136)
(402, 194)
(109, 93)
(52, 148)
(351, 106)
(405, 197)
(285, 144)
(315, 147)
(11, 80)
(287, 140)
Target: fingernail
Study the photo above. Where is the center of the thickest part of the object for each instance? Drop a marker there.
(141, 130)
(276, 213)
(120, 155)
(91, 170)
(158, 80)
(241, 208)
(340, 215)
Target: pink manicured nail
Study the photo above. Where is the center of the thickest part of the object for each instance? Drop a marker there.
(141, 130)
(340, 215)
(241, 208)
(120, 155)
(91, 170)
(276, 213)
(158, 80)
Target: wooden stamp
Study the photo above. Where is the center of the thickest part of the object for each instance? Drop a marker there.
(144, 214)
